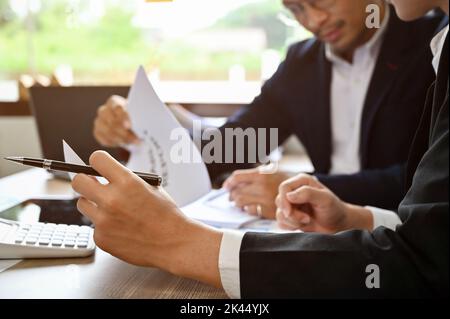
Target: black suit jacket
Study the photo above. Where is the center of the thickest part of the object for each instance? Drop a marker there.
(413, 261)
(296, 100)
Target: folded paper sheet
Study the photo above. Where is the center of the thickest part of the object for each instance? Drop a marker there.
(160, 133)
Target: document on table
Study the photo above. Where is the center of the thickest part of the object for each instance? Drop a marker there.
(216, 210)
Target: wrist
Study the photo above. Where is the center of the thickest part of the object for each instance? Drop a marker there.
(196, 256)
(358, 217)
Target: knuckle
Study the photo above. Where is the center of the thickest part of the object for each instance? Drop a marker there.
(102, 110)
(283, 186)
(305, 190)
(329, 199)
(112, 100)
(76, 182)
(111, 202)
(128, 181)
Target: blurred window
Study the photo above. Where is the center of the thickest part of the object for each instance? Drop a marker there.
(103, 41)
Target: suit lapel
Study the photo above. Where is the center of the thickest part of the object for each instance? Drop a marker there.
(436, 97)
(322, 113)
(386, 70)
(441, 91)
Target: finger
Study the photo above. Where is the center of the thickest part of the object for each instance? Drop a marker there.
(309, 228)
(106, 114)
(125, 136)
(241, 176)
(88, 209)
(115, 135)
(116, 100)
(88, 187)
(102, 139)
(117, 105)
(282, 223)
(108, 134)
(251, 209)
(104, 135)
(307, 195)
(299, 217)
(122, 120)
(243, 200)
(246, 190)
(131, 137)
(292, 184)
(108, 167)
(299, 180)
(278, 201)
(121, 115)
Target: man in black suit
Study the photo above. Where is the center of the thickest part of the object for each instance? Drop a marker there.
(139, 224)
(346, 94)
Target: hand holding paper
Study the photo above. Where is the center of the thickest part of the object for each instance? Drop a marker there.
(153, 123)
(187, 182)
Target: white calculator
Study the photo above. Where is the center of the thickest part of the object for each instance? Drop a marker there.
(44, 240)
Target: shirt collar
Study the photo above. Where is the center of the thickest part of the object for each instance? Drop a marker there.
(372, 46)
(437, 44)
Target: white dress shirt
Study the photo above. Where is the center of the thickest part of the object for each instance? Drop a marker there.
(437, 44)
(349, 85)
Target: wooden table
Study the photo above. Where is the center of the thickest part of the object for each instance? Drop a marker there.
(99, 276)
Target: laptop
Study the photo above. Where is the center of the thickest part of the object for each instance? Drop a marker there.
(68, 113)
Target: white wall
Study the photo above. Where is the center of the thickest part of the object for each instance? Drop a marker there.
(18, 137)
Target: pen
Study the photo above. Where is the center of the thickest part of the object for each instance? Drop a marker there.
(151, 179)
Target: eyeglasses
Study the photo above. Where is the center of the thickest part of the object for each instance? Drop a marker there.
(300, 9)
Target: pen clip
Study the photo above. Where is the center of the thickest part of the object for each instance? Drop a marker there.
(47, 164)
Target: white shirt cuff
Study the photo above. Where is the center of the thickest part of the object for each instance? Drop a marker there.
(383, 217)
(229, 262)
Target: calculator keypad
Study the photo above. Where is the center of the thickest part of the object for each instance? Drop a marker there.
(53, 235)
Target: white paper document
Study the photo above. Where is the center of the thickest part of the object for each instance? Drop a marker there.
(216, 210)
(71, 157)
(153, 123)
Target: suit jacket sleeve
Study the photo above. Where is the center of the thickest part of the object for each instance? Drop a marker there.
(384, 188)
(413, 261)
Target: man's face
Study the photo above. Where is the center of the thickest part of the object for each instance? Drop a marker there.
(341, 23)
